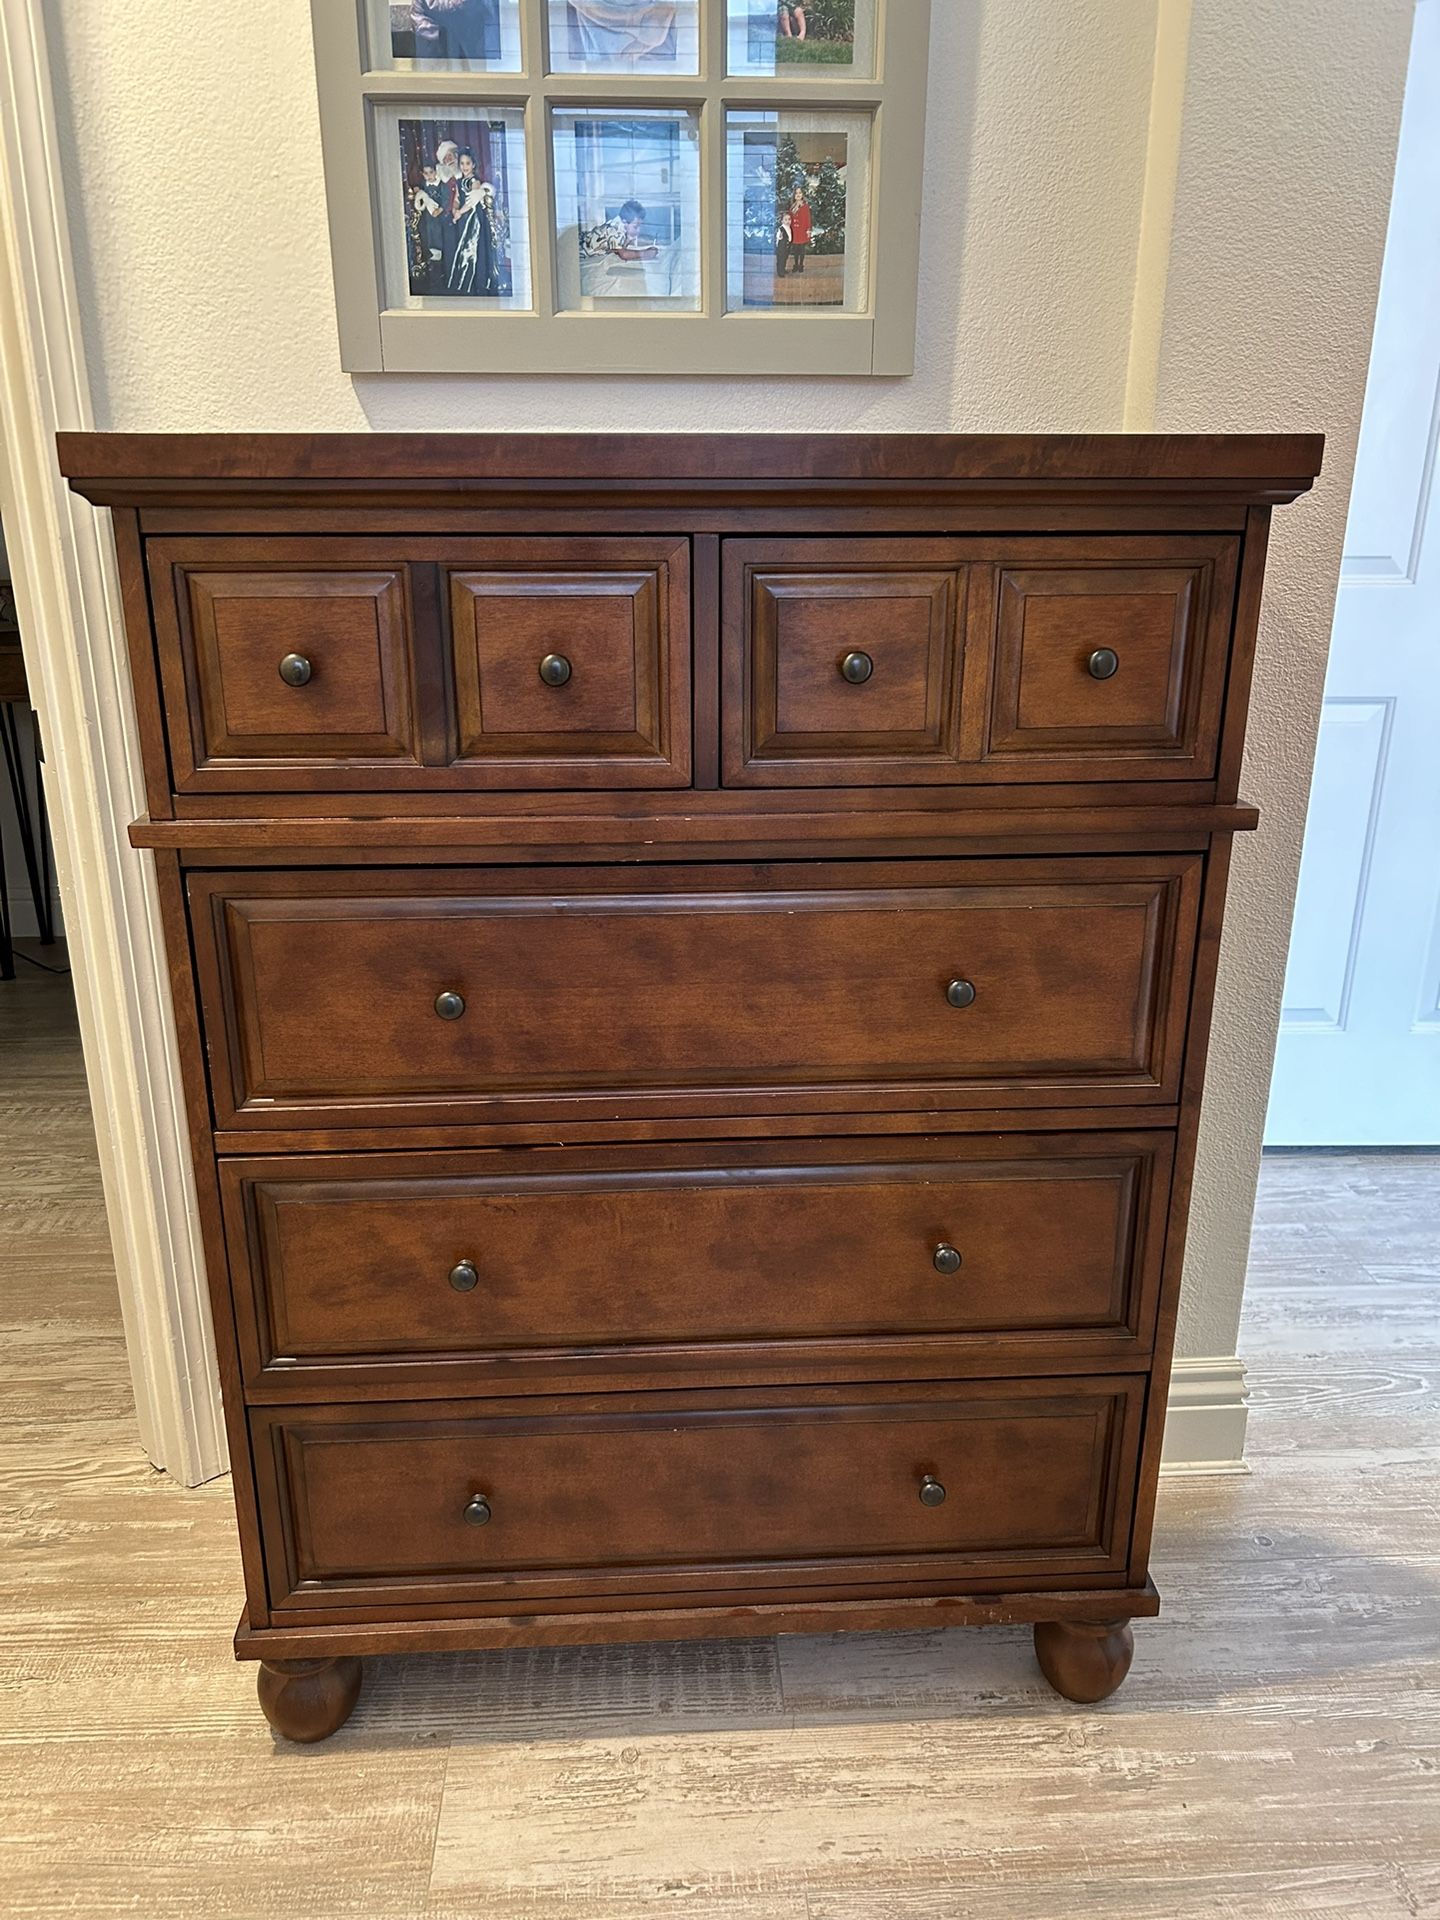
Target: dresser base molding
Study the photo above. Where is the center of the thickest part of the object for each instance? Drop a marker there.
(307, 1697)
(483, 1633)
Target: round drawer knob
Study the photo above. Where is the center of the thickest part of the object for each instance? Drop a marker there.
(295, 670)
(961, 993)
(464, 1276)
(1103, 664)
(856, 668)
(449, 1005)
(932, 1494)
(477, 1514)
(554, 669)
(947, 1258)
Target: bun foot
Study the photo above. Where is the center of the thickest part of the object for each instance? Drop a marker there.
(1084, 1662)
(308, 1699)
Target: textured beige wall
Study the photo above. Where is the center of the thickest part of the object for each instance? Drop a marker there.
(202, 251)
(1292, 114)
(204, 256)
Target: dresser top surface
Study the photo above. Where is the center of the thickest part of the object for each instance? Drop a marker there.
(115, 467)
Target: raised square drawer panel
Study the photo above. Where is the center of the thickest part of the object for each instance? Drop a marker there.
(346, 664)
(368, 1270)
(283, 660)
(1110, 666)
(571, 663)
(842, 662)
(430, 997)
(929, 662)
(684, 1493)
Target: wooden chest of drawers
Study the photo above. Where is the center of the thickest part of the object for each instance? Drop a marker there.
(693, 961)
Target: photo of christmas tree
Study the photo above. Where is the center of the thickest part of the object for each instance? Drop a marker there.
(794, 213)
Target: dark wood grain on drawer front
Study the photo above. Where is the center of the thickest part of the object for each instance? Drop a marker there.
(423, 660)
(694, 989)
(227, 616)
(650, 1257)
(618, 614)
(670, 1494)
(980, 655)
(1161, 607)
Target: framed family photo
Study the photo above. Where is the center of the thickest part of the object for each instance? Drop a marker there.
(458, 36)
(458, 227)
(625, 36)
(624, 186)
(627, 208)
(768, 38)
(798, 210)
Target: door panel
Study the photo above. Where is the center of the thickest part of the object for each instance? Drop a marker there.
(1358, 1059)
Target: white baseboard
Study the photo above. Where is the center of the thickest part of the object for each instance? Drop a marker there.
(1205, 1420)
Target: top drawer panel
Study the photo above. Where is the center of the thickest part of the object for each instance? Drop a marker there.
(941, 662)
(332, 665)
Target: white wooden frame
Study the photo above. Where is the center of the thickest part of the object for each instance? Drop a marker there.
(63, 562)
(375, 338)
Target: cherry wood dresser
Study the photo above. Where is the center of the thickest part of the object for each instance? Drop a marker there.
(693, 960)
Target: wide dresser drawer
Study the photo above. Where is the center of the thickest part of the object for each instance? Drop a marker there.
(338, 1000)
(679, 1494)
(325, 665)
(400, 1272)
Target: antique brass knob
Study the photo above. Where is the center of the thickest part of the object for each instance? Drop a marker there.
(947, 1258)
(932, 1494)
(960, 993)
(464, 1276)
(477, 1514)
(856, 668)
(295, 670)
(554, 669)
(449, 1005)
(1103, 663)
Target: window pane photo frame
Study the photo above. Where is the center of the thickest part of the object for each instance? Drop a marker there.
(623, 186)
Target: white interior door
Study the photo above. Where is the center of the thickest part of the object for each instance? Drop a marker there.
(1359, 1055)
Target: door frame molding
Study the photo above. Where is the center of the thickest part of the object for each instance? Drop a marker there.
(62, 557)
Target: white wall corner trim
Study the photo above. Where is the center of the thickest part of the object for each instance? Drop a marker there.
(63, 562)
(1205, 1420)
(1157, 212)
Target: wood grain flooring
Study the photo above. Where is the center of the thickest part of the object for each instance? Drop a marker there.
(1275, 1751)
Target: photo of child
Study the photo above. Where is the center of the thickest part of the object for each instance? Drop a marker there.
(456, 181)
(795, 192)
(481, 35)
(627, 205)
(781, 33)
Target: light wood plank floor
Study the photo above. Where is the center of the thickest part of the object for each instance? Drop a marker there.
(1276, 1751)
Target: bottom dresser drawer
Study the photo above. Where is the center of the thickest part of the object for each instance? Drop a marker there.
(979, 1485)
